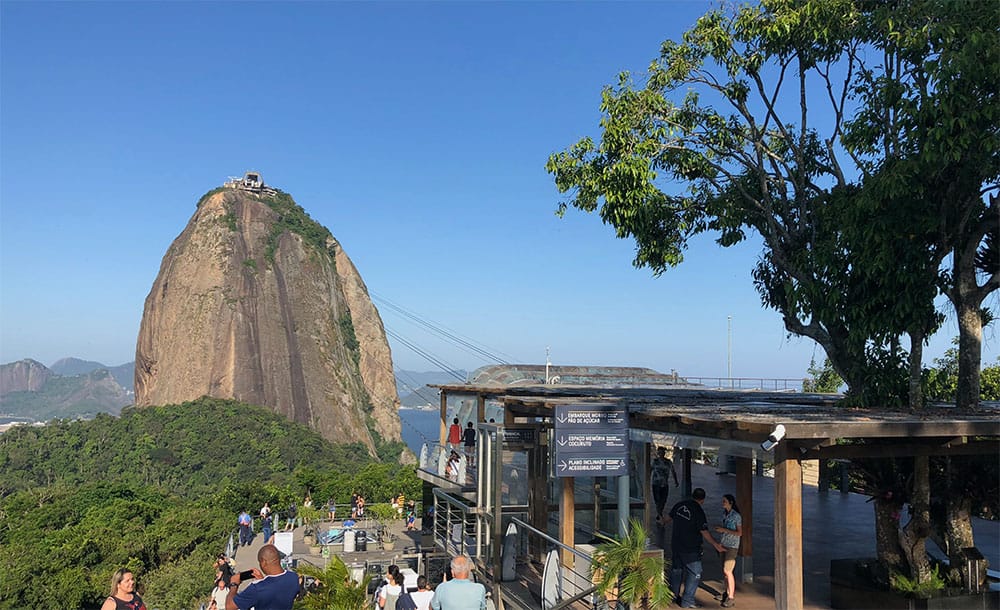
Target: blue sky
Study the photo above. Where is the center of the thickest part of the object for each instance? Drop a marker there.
(416, 132)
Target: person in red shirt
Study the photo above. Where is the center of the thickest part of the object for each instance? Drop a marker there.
(455, 434)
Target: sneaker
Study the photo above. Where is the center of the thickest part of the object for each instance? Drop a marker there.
(694, 605)
(728, 603)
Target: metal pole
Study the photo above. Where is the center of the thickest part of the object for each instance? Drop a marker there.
(729, 349)
(623, 505)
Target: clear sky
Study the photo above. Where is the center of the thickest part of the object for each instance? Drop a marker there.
(416, 132)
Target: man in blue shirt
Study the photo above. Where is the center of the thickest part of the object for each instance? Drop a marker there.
(273, 588)
(459, 593)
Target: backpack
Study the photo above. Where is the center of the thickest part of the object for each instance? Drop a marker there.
(405, 602)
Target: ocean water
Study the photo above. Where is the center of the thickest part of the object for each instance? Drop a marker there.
(419, 427)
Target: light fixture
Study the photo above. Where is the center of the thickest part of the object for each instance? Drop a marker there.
(775, 436)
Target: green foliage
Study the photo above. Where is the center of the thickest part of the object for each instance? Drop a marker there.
(207, 195)
(350, 339)
(619, 569)
(854, 263)
(822, 379)
(334, 589)
(250, 264)
(157, 490)
(922, 590)
(941, 381)
(292, 218)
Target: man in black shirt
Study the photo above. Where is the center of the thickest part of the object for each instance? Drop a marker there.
(690, 529)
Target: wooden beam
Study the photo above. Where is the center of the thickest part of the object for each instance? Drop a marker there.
(744, 498)
(881, 450)
(481, 408)
(787, 528)
(567, 521)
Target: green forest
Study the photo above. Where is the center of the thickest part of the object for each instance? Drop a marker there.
(157, 490)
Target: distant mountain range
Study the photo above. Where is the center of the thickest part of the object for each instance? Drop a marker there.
(72, 388)
(413, 390)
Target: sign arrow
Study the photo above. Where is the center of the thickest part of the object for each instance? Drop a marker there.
(562, 465)
(561, 419)
(562, 441)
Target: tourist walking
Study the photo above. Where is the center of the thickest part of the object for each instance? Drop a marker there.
(454, 434)
(246, 534)
(267, 526)
(123, 595)
(690, 528)
(389, 593)
(459, 593)
(423, 595)
(659, 480)
(220, 593)
(290, 516)
(731, 530)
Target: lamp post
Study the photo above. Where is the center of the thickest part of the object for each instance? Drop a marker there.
(729, 350)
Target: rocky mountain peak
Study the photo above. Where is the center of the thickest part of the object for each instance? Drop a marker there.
(256, 301)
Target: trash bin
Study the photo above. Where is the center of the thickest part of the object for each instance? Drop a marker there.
(349, 541)
(361, 541)
(973, 570)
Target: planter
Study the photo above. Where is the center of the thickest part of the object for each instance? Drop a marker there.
(388, 545)
(852, 586)
(309, 539)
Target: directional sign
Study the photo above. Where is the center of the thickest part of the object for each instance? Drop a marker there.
(591, 467)
(600, 442)
(591, 440)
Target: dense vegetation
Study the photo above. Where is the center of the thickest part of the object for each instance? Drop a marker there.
(291, 217)
(157, 490)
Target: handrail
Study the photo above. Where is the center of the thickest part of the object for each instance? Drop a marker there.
(566, 603)
(572, 550)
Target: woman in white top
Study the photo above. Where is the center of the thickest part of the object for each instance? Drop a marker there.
(390, 592)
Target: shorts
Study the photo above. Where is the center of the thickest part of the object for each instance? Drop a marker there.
(729, 559)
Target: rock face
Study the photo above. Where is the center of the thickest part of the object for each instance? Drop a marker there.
(257, 302)
(23, 376)
(30, 390)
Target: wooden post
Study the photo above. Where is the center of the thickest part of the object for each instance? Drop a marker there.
(567, 522)
(444, 419)
(686, 464)
(744, 497)
(480, 408)
(787, 528)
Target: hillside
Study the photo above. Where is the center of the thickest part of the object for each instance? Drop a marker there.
(157, 489)
(30, 390)
(124, 374)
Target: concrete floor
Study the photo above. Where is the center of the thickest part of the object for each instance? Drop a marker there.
(834, 526)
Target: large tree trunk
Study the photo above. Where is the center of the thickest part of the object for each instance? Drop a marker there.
(887, 545)
(916, 398)
(970, 340)
(958, 533)
(913, 537)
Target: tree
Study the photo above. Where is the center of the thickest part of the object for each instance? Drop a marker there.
(333, 588)
(859, 206)
(619, 568)
(822, 379)
(828, 208)
(929, 127)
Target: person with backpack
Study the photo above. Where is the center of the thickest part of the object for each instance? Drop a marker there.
(389, 593)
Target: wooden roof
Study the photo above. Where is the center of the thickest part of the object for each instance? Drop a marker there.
(813, 422)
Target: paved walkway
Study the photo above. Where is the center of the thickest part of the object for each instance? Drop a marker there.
(834, 526)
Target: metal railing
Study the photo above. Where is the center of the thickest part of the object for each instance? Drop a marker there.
(765, 384)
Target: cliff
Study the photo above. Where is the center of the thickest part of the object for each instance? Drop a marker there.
(257, 302)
